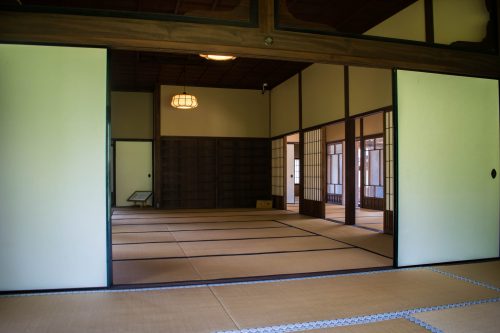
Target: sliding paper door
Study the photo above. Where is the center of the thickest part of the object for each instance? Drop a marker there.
(53, 167)
(447, 148)
(313, 203)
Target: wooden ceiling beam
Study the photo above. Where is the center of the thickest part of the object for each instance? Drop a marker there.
(164, 36)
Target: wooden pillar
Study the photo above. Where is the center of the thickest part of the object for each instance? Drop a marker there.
(157, 147)
(362, 179)
(350, 157)
(429, 21)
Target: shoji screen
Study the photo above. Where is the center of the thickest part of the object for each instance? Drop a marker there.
(313, 203)
(389, 172)
(278, 160)
(447, 144)
(312, 165)
(53, 167)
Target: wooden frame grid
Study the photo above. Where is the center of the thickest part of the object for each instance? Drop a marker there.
(388, 173)
(312, 165)
(277, 165)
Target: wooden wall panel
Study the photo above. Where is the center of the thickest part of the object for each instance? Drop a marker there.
(244, 172)
(214, 172)
(188, 173)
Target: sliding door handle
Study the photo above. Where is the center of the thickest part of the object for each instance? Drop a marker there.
(493, 173)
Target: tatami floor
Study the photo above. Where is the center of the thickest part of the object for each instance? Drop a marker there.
(158, 247)
(365, 218)
(454, 299)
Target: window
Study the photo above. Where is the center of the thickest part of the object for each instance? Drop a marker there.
(334, 165)
(374, 168)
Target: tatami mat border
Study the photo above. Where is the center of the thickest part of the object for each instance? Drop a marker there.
(381, 271)
(234, 254)
(461, 278)
(423, 324)
(351, 321)
(215, 284)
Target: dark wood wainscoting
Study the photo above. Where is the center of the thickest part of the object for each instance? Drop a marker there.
(313, 208)
(372, 203)
(334, 198)
(214, 172)
(278, 202)
(188, 173)
(389, 222)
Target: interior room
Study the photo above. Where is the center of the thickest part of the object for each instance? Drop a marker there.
(211, 177)
(249, 165)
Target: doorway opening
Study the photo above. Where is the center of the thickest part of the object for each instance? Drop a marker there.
(132, 171)
(369, 174)
(292, 172)
(335, 172)
(373, 172)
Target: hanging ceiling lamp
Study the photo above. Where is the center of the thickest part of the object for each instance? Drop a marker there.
(217, 57)
(184, 101)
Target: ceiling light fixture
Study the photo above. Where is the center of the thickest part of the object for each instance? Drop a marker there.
(217, 57)
(184, 101)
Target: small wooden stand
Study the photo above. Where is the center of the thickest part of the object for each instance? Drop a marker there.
(140, 196)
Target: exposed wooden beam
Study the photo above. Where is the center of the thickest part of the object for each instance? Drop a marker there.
(429, 21)
(163, 36)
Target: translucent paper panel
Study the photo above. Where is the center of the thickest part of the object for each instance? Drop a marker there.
(389, 162)
(448, 144)
(375, 167)
(53, 167)
(312, 165)
(277, 165)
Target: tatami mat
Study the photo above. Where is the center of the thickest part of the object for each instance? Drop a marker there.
(367, 218)
(142, 237)
(247, 243)
(139, 228)
(483, 318)
(183, 236)
(226, 247)
(224, 267)
(179, 311)
(366, 239)
(224, 225)
(437, 301)
(148, 250)
(486, 272)
(153, 271)
(343, 297)
(117, 220)
(388, 326)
